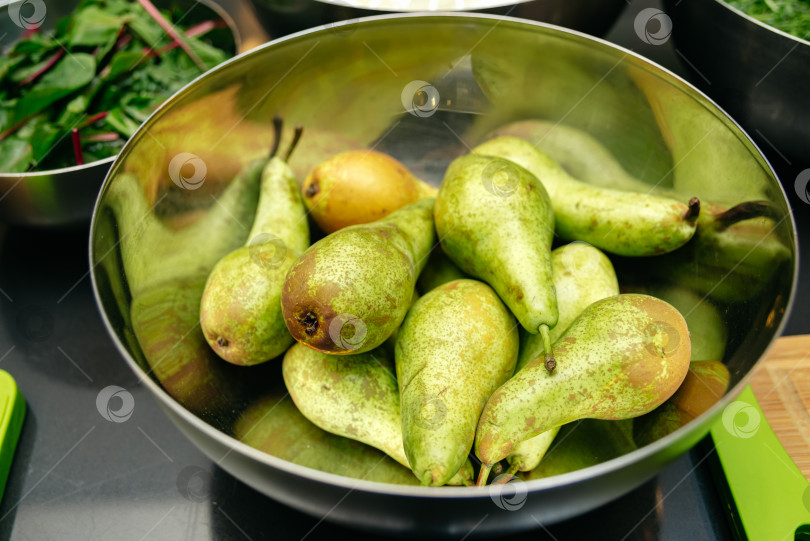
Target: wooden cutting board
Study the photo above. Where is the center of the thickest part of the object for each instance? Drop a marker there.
(781, 384)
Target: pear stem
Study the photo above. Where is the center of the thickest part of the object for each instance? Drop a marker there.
(693, 211)
(550, 362)
(508, 475)
(296, 137)
(483, 475)
(747, 211)
(278, 123)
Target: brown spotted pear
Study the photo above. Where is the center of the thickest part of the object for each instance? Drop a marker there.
(620, 222)
(240, 312)
(350, 291)
(582, 275)
(495, 221)
(621, 358)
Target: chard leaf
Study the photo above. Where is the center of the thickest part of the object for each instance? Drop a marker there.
(15, 155)
(68, 75)
(94, 27)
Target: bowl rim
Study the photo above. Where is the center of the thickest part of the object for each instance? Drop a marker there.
(376, 487)
(213, 5)
(761, 24)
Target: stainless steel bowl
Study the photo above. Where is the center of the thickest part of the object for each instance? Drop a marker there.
(759, 74)
(65, 196)
(159, 227)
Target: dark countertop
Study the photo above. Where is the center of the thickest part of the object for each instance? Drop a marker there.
(77, 475)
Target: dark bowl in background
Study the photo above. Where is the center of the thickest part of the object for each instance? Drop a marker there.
(757, 73)
(593, 17)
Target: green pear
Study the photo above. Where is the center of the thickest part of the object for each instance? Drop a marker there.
(621, 358)
(624, 223)
(352, 396)
(584, 443)
(240, 312)
(582, 275)
(438, 271)
(705, 384)
(495, 222)
(351, 290)
(274, 425)
(456, 346)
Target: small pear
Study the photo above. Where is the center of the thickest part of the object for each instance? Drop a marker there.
(705, 384)
(456, 346)
(582, 275)
(351, 290)
(355, 397)
(274, 425)
(582, 444)
(495, 222)
(358, 187)
(621, 358)
(240, 312)
(620, 222)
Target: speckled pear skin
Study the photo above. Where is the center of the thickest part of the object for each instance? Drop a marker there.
(621, 358)
(620, 222)
(351, 290)
(457, 345)
(354, 397)
(240, 311)
(501, 235)
(351, 396)
(582, 275)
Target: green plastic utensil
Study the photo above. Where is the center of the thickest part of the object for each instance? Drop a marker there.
(769, 497)
(12, 414)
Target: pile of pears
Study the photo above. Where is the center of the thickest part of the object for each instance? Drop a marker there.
(458, 329)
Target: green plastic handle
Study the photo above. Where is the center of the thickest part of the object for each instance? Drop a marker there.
(771, 495)
(12, 414)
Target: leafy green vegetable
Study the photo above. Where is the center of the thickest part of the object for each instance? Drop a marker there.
(791, 16)
(103, 70)
(70, 73)
(16, 154)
